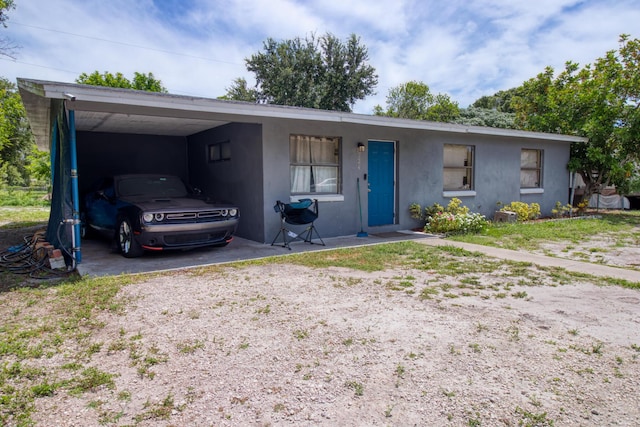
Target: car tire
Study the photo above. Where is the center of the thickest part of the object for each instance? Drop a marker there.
(127, 244)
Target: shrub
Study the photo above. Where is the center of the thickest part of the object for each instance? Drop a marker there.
(523, 211)
(454, 219)
(561, 210)
(11, 196)
(582, 207)
(416, 211)
(448, 223)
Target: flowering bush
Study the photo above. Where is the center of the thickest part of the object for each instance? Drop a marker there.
(448, 223)
(567, 210)
(561, 210)
(455, 219)
(523, 211)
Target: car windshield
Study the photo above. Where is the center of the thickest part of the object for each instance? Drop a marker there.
(152, 186)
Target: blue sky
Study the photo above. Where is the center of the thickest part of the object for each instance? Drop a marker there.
(464, 48)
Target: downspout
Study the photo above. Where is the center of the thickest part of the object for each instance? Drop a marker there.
(75, 194)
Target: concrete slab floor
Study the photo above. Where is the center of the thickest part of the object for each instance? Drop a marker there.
(99, 257)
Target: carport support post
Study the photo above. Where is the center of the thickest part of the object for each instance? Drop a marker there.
(75, 195)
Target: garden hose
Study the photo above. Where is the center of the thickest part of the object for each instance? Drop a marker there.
(30, 259)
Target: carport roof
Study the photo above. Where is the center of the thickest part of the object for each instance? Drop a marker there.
(105, 109)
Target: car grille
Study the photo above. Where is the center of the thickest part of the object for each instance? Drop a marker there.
(196, 216)
(193, 239)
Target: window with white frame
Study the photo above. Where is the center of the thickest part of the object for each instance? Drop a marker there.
(315, 164)
(530, 168)
(458, 167)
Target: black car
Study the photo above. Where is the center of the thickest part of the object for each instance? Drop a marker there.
(156, 212)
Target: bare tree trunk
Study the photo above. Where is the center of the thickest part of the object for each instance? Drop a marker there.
(592, 183)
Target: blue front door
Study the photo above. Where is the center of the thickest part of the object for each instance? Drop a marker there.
(381, 182)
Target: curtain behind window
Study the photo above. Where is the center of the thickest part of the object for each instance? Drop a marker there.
(300, 157)
(530, 165)
(314, 164)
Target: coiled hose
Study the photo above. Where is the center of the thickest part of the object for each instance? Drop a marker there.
(29, 259)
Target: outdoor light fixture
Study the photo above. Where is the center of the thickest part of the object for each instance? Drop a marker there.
(70, 97)
(361, 147)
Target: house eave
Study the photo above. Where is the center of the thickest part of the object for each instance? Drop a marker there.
(90, 98)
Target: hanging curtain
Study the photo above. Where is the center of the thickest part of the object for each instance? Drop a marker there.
(323, 151)
(314, 164)
(300, 157)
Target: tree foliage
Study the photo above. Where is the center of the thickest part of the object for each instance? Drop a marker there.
(414, 100)
(16, 139)
(500, 101)
(240, 91)
(322, 73)
(599, 102)
(140, 81)
(7, 47)
(5, 6)
(476, 116)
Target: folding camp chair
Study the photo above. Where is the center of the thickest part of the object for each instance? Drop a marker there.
(303, 212)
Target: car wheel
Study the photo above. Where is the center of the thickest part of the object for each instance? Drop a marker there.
(129, 247)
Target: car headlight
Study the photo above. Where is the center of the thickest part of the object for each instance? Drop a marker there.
(147, 217)
(233, 212)
(158, 217)
(224, 212)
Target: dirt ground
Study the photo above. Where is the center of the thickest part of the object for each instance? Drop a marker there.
(283, 344)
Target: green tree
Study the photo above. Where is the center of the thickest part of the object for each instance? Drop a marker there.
(599, 102)
(313, 72)
(500, 101)
(39, 165)
(147, 82)
(16, 139)
(239, 91)
(476, 116)
(141, 81)
(414, 100)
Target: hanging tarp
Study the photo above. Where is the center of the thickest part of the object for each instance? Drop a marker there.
(59, 232)
(610, 201)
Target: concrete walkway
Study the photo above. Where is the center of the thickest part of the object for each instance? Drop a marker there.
(542, 260)
(99, 259)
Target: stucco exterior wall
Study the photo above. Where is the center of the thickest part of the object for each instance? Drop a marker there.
(497, 172)
(419, 172)
(238, 180)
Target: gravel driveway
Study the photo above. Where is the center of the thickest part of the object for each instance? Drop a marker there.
(284, 344)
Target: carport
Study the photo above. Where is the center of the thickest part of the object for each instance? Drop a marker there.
(92, 132)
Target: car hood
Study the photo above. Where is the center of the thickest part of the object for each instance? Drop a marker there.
(173, 204)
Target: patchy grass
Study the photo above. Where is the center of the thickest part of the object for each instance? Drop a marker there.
(530, 235)
(24, 198)
(70, 319)
(20, 217)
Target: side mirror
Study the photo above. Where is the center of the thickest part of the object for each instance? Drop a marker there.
(100, 195)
